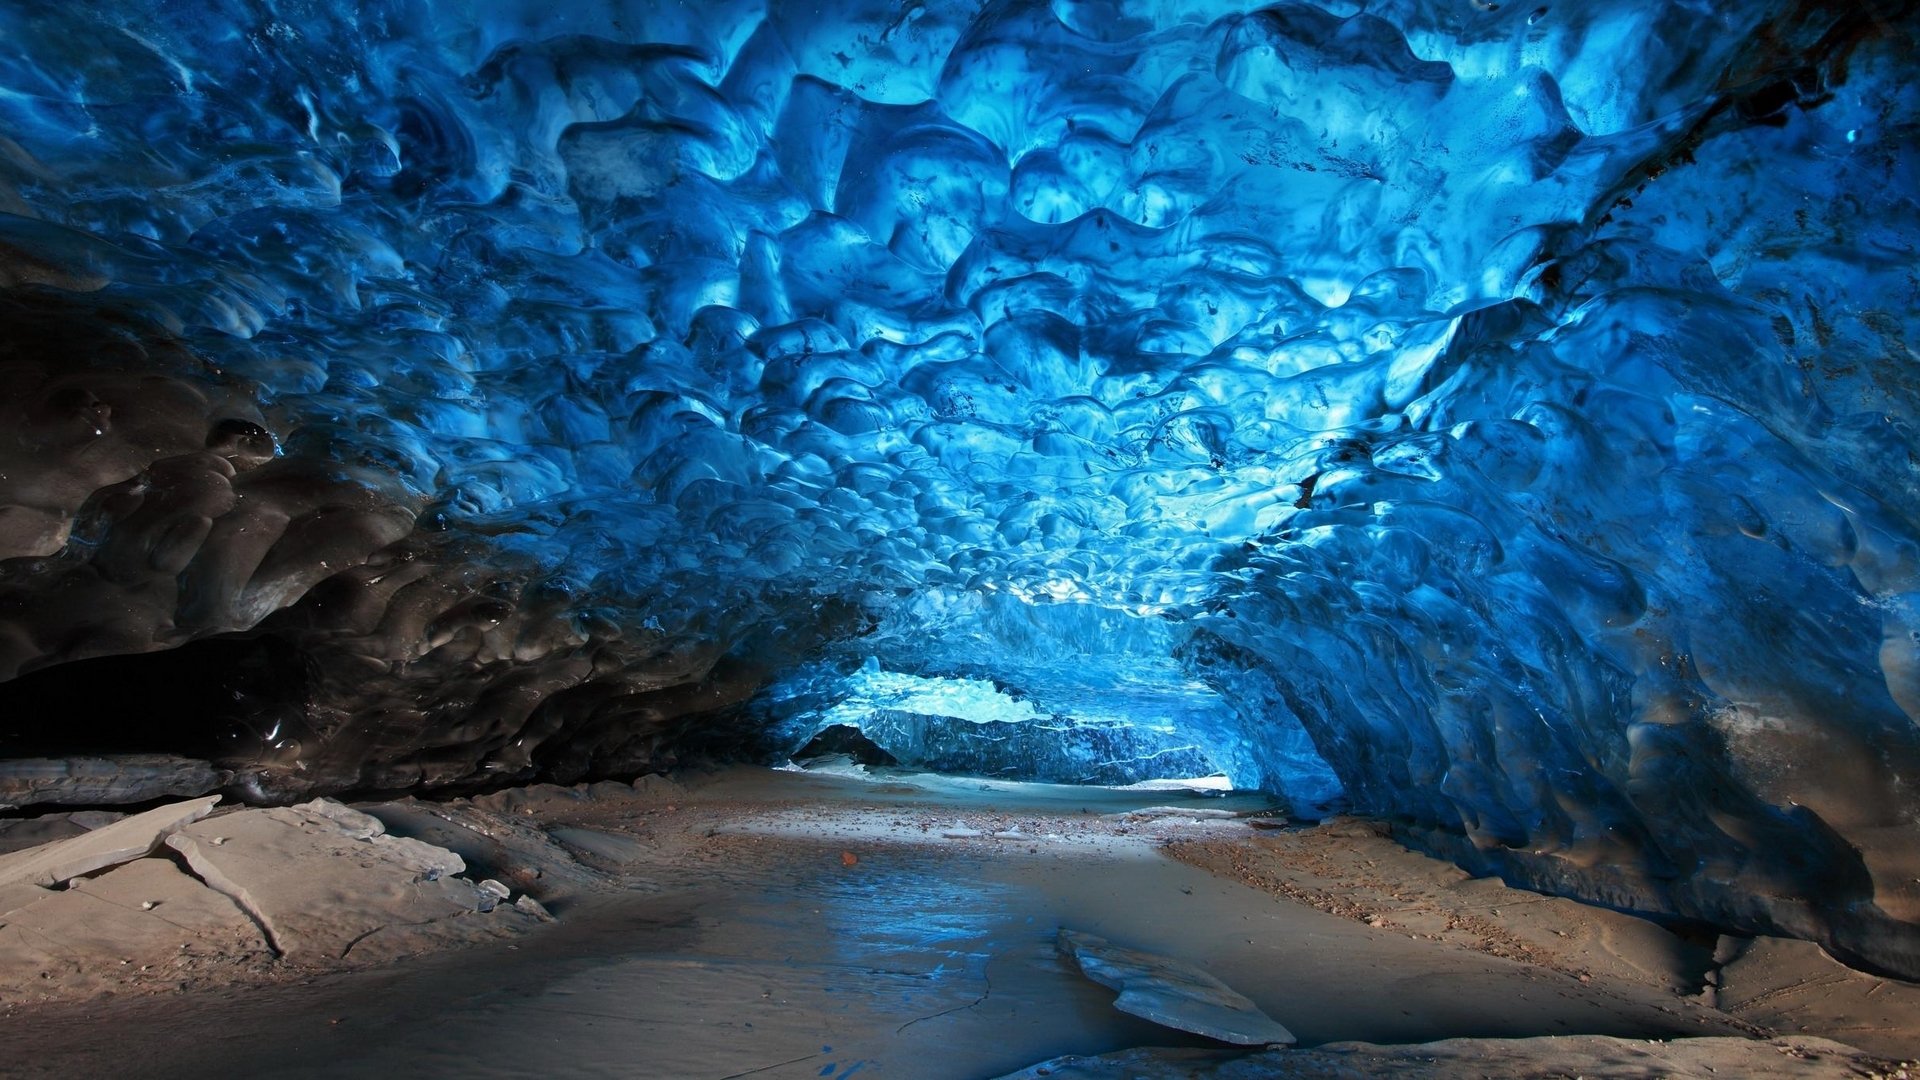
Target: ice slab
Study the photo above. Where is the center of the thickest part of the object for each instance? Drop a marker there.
(131, 923)
(1172, 992)
(120, 841)
(323, 882)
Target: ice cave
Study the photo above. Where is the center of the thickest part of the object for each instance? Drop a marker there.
(749, 537)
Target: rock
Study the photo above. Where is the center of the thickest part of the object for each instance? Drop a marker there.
(105, 780)
(142, 913)
(529, 906)
(1592, 1057)
(658, 787)
(321, 887)
(1173, 993)
(532, 799)
(121, 841)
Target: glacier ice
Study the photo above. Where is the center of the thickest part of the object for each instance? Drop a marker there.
(1501, 414)
(1095, 696)
(961, 726)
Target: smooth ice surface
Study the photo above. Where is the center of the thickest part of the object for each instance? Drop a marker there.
(1509, 406)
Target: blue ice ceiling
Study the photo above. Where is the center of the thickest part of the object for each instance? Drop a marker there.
(1510, 406)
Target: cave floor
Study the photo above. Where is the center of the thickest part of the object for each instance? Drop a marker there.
(784, 925)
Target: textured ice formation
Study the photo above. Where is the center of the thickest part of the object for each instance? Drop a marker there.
(1104, 698)
(1508, 408)
(972, 727)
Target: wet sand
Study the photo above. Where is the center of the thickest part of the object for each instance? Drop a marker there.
(782, 925)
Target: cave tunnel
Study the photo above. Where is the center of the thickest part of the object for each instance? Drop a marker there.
(1473, 439)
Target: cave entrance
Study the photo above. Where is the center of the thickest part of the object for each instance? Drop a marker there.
(873, 718)
(995, 685)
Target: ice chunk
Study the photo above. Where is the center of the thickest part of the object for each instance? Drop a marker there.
(1172, 992)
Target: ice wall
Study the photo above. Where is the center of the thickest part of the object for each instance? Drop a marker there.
(987, 683)
(1515, 398)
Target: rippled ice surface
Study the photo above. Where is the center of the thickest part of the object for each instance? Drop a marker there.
(1515, 400)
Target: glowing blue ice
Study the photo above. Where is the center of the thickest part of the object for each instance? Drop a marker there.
(952, 724)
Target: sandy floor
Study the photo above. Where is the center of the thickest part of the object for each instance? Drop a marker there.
(787, 925)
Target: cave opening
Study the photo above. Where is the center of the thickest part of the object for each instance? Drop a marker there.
(1038, 690)
(955, 725)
